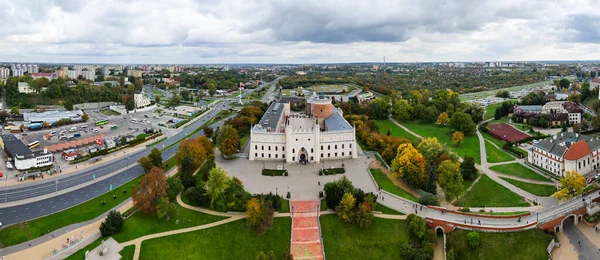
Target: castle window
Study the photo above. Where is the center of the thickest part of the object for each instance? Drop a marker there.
(293, 150)
(262, 147)
(275, 148)
(269, 148)
(350, 145)
(262, 155)
(269, 155)
(255, 154)
(328, 155)
(283, 148)
(276, 156)
(342, 146)
(329, 147)
(335, 154)
(293, 158)
(321, 148)
(342, 153)
(255, 147)
(311, 158)
(336, 146)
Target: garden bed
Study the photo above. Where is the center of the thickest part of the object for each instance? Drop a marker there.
(274, 172)
(332, 171)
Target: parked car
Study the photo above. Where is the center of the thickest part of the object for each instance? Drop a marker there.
(591, 179)
(95, 130)
(53, 133)
(63, 137)
(76, 135)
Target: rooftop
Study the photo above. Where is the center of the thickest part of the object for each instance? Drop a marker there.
(336, 122)
(270, 119)
(578, 150)
(14, 146)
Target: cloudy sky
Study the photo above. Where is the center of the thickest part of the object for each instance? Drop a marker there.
(282, 31)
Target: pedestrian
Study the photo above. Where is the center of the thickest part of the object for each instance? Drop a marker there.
(421, 208)
(416, 211)
(114, 196)
(319, 183)
(381, 198)
(479, 222)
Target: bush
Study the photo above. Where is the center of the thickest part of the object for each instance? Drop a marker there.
(113, 224)
(332, 171)
(429, 199)
(274, 172)
(334, 191)
(592, 219)
(473, 239)
(320, 194)
(175, 187)
(197, 196)
(274, 200)
(206, 166)
(465, 209)
(288, 195)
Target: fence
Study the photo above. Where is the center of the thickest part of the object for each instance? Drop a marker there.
(73, 242)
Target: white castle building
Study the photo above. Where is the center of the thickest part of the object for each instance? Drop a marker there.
(321, 133)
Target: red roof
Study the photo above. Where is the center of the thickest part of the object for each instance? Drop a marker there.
(578, 150)
(596, 80)
(42, 74)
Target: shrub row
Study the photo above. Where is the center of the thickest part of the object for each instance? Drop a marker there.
(274, 172)
(332, 171)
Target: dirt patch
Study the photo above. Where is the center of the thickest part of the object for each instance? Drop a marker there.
(377, 165)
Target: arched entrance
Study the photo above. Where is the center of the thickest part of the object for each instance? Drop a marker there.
(303, 156)
(568, 222)
(439, 231)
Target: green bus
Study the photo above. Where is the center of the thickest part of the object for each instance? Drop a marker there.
(102, 122)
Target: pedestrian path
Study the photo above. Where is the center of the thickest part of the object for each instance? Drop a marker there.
(306, 231)
(523, 179)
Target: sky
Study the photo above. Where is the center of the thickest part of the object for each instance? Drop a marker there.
(282, 31)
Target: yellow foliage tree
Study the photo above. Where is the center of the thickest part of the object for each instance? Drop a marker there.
(457, 138)
(570, 186)
(409, 164)
(430, 148)
(442, 119)
(344, 210)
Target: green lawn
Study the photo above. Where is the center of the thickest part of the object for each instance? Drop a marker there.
(285, 206)
(386, 184)
(140, 224)
(469, 147)
(525, 245)
(396, 131)
(486, 192)
(170, 163)
(535, 189)
(109, 112)
(127, 252)
(348, 241)
(28, 230)
(502, 213)
(229, 241)
(489, 137)
(323, 205)
(518, 170)
(503, 119)
(490, 110)
(243, 140)
(81, 253)
(469, 183)
(386, 210)
(495, 155)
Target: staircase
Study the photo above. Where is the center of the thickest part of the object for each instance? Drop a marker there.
(306, 230)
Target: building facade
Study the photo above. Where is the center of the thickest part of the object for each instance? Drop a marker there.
(24, 88)
(4, 73)
(21, 157)
(321, 133)
(140, 101)
(566, 151)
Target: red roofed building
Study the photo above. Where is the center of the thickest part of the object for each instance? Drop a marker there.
(566, 152)
(69, 156)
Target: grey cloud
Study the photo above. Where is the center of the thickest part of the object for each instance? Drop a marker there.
(586, 27)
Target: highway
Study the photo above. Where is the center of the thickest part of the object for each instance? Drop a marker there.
(27, 211)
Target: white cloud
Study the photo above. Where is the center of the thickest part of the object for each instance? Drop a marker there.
(311, 31)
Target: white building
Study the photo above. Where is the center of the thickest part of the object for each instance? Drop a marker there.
(18, 72)
(4, 73)
(140, 100)
(21, 156)
(566, 152)
(25, 89)
(135, 73)
(321, 133)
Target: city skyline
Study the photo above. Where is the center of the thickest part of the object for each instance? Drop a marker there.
(264, 32)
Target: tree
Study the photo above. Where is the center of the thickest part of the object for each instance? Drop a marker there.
(193, 149)
(151, 189)
(212, 89)
(574, 98)
(467, 168)
(268, 256)
(164, 207)
(208, 131)
(175, 187)
(402, 110)
(14, 111)
(259, 215)
(112, 224)
(364, 213)
(197, 196)
(577, 128)
(156, 157)
(564, 83)
(139, 84)
(475, 110)
(584, 125)
(450, 179)
(409, 164)
(378, 109)
(430, 148)
(217, 182)
(417, 226)
(571, 185)
(146, 163)
(462, 122)
(457, 138)
(85, 117)
(175, 101)
(429, 199)
(68, 105)
(346, 207)
(473, 239)
(228, 139)
(442, 119)
(335, 191)
(3, 115)
(187, 172)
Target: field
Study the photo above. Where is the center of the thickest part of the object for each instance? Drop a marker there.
(507, 133)
(518, 170)
(386, 184)
(469, 147)
(488, 93)
(334, 88)
(495, 155)
(492, 139)
(490, 110)
(524, 245)
(229, 241)
(109, 112)
(386, 210)
(396, 131)
(535, 189)
(348, 241)
(480, 195)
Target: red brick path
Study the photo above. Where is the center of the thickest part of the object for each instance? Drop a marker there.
(306, 236)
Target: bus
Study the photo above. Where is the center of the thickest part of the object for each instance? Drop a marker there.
(34, 144)
(102, 122)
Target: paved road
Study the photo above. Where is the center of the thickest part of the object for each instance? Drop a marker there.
(586, 250)
(24, 212)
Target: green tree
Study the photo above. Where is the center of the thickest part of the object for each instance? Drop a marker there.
(473, 240)
(475, 111)
(467, 168)
(85, 117)
(228, 139)
(417, 226)
(112, 224)
(68, 105)
(430, 148)
(212, 89)
(335, 190)
(346, 207)
(146, 163)
(450, 179)
(402, 110)
(378, 109)
(217, 182)
(187, 172)
(564, 83)
(164, 207)
(462, 122)
(156, 157)
(14, 111)
(175, 187)
(259, 215)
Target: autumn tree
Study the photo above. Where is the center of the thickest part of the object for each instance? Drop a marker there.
(259, 215)
(430, 148)
(346, 207)
(151, 189)
(146, 163)
(442, 119)
(217, 182)
(450, 179)
(14, 111)
(164, 207)
(462, 122)
(155, 157)
(85, 117)
(402, 110)
(194, 150)
(409, 164)
(457, 138)
(571, 185)
(228, 139)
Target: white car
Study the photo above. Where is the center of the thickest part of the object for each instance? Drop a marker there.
(95, 131)
(53, 133)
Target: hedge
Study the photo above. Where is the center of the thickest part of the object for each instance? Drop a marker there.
(274, 172)
(332, 171)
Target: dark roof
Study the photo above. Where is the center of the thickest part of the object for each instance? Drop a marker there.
(336, 122)
(14, 146)
(270, 119)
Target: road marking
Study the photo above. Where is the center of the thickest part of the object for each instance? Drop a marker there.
(51, 202)
(14, 211)
(39, 205)
(65, 203)
(62, 198)
(42, 210)
(53, 206)
(27, 208)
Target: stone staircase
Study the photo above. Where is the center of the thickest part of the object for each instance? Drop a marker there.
(306, 230)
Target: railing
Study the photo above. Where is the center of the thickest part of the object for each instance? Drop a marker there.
(320, 232)
(55, 252)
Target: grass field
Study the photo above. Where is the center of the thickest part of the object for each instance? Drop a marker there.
(339, 88)
(492, 139)
(518, 170)
(492, 92)
(524, 245)
(486, 192)
(127, 252)
(469, 183)
(81, 253)
(490, 110)
(535, 189)
(386, 210)
(348, 241)
(396, 131)
(495, 155)
(503, 119)
(28, 230)
(109, 112)
(229, 241)
(469, 147)
(386, 184)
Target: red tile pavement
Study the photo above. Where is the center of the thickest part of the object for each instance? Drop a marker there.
(306, 236)
(305, 206)
(305, 222)
(311, 234)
